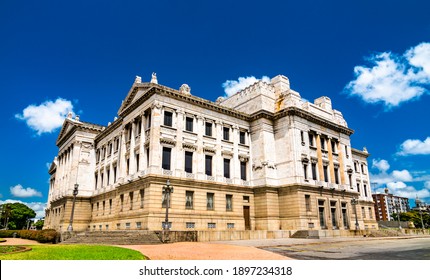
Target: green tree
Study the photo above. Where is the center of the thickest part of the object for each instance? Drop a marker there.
(16, 215)
(39, 224)
(415, 217)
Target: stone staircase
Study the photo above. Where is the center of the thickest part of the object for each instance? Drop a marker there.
(306, 234)
(114, 237)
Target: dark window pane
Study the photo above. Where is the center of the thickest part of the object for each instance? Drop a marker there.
(166, 158)
(243, 170)
(189, 124)
(168, 116)
(208, 165)
(189, 162)
(227, 168)
(226, 133)
(242, 137)
(208, 129)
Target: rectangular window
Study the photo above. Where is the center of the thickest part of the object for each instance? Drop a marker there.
(118, 226)
(208, 129)
(114, 173)
(208, 165)
(96, 177)
(311, 139)
(325, 169)
(142, 197)
(365, 190)
(138, 225)
(189, 124)
(336, 175)
(167, 152)
(243, 170)
(107, 176)
(211, 225)
(210, 201)
(363, 212)
(226, 133)
(229, 202)
(127, 167)
(322, 140)
(242, 137)
(370, 213)
(246, 199)
(104, 207)
(130, 197)
(110, 206)
(147, 157)
(333, 145)
(189, 197)
(127, 225)
(168, 118)
(230, 225)
(308, 202)
(302, 137)
(358, 188)
(137, 156)
(101, 180)
(362, 168)
(189, 162)
(121, 199)
(227, 167)
(314, 170)
(305, 171)
(190, 225)
(321, 213)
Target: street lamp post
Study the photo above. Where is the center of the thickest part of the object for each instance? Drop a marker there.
(167, 190)
(354, 202)
(75, 193)
(422, 222)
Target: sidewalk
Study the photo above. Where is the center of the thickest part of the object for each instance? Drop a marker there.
(221, 250)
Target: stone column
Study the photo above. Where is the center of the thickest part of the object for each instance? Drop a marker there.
(235, 169)
(319, 156)
(132, 166)
(341, 165)
(154, 138)
(330, 160)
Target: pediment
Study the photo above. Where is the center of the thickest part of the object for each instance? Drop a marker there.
(136, 91)
(68, 125)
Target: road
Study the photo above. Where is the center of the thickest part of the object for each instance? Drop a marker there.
(377, 249)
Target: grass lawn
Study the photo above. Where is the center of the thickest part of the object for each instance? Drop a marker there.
(75, 252)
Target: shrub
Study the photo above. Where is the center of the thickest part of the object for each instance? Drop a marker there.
(43, 236)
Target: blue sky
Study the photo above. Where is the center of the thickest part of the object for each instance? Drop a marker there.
(372, 58)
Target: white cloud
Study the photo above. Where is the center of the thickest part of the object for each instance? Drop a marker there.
(402, 175)
(231, 87)
(382, 165)
(393, 79)
(383, 177)
(20, 191)
(401, 189)
(46, 117)
(415, 147)
(38, 207)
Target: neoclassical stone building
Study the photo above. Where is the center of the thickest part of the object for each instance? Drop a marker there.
(262, 159)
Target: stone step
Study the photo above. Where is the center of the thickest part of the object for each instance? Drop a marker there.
(306, 234)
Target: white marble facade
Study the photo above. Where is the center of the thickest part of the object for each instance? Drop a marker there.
(264, 136)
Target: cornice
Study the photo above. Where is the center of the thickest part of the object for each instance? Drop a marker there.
(77, 126)
(117, 123)
(360, 153)
(294, 111)
(169, 92)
